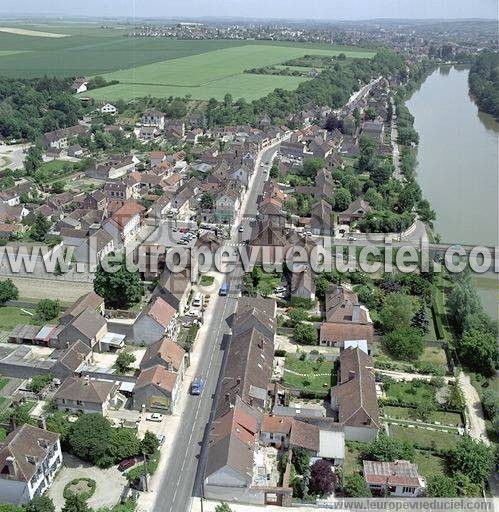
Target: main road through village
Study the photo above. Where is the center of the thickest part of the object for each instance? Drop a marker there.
(183, 476)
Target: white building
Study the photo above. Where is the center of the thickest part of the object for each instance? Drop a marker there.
(108, 109)
(29, 460)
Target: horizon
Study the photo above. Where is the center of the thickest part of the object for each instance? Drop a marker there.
(316, 10)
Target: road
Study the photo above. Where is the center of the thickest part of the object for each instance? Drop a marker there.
(183, 475)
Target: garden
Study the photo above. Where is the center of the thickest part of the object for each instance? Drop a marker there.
(309, 375)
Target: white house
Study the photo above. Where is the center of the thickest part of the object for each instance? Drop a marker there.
(125, 223)
(29, 460)
(108, 109)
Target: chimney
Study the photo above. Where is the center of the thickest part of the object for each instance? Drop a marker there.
(356, 313)
(351, 375)
(42, 423)
(227, 397)
(11, 465)
(238, 381)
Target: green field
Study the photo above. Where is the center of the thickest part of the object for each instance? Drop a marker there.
(11, 316)
(160, 67)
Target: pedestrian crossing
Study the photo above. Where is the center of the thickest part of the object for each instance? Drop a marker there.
(234, 244)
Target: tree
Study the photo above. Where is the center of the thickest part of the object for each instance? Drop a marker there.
(388, 449)
(207, 201)
(91, 437)
(57, 187)
(297, 315)
(8, 291)
(311, 166)
(370, 114)
(397, 311)
(38, 382)
(39, 228)
(478, 350)
(300, 460)
(465, 487)
(41, 504)
(472, 458)
(463, 302)
(124, 361)
(48, 309)
(489, 403)
(440, 486)
(58, 422)
(341, 198)
(10, 508)
(404, 343)
(322, 478)
(120, 289)
(33, 160)
(124, 444)
(223, 507)
(149, 443)
(305, 334)
(19, 416)
(75, 503)
(424, 410)
(355, 486)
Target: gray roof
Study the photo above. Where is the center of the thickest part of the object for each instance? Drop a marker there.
(85, 390)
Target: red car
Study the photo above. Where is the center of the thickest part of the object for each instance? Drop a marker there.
(126, 464)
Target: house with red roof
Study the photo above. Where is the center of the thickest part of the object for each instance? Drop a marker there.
(399, 478)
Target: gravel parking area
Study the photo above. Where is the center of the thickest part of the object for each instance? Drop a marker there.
(110, 483)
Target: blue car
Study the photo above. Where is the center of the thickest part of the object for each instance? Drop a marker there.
(197, 386)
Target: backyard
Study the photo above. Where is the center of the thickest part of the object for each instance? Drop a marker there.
(414, 392)
(407, 413)
(424, 438)
(11, 316)
(306, 375)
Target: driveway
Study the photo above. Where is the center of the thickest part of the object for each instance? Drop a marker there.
(110, 483)
(477, 429)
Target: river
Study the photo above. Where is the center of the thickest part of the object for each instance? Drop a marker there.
(458, 166)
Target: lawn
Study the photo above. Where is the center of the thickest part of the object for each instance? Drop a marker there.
(315, 375)
(432, 439)
(406, 413)
(3, 382)
(434, 355)
(11, 316)
(429, 465)
(408, 392)
(353, 462)
(206, 280)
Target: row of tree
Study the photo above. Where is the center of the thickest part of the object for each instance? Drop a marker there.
(484, 82)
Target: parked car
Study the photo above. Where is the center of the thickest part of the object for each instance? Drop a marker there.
(155, 416)
(126, 464)
(279, 289)
(351, 239)
(161, 439)
(197, 386)
(241, 229)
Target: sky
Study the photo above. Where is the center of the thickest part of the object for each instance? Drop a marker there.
(288, 9)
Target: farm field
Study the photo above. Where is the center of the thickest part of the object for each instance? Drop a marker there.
(160, 67)
(208, 75)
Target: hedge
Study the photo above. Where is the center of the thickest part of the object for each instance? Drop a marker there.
(84, 495)
(280, 352)
(437, 320)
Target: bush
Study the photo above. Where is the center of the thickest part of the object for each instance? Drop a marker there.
(305, 334)
(48, 309)
(38, 382)
(355, 486)
(83, 495)
(8, 291)
(404, 343)
(280, 352)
